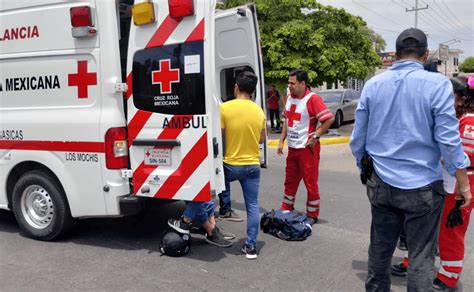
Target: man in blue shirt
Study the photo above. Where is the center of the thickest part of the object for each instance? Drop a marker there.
(406, 122)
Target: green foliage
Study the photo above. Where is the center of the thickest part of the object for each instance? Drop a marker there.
(467, 65)
(329, 43)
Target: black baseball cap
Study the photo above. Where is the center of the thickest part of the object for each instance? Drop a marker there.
(411, 38)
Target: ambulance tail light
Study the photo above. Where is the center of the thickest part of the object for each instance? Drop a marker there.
(116, 149)
(181, 8)
(81, 21)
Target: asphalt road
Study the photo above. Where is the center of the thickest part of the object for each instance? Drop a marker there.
(122, 254)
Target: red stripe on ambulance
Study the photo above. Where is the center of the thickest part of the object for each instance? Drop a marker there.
(136, 125)
(205, 194)
(63, 146)
(143, 171)
(163, 32)
(197, 34)
(188, 165)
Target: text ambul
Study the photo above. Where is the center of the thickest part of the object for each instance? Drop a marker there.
(184, 122)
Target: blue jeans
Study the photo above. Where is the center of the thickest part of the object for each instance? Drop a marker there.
(418, 211)
(199, 212)
(249, 178)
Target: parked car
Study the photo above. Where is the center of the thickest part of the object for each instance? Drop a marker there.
(342, 103)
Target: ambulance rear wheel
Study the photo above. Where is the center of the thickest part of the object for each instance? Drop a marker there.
(40, 206)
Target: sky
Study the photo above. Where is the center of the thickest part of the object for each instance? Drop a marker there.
(445, 21)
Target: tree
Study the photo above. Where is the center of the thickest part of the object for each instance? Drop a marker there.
(467, 65)
(376, 39)
(329, 43)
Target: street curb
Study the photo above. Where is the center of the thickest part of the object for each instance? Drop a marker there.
(323, 141)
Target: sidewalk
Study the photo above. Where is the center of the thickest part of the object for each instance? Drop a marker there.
(334, 136)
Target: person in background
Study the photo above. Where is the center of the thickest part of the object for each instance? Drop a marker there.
(273, 99)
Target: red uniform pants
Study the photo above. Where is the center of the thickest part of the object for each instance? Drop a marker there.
(451, 243)
(302, 164)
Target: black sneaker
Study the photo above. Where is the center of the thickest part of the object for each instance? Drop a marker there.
(249, 251)
(199, 230)
(179, 225)
(230, 216)
(217, 238)
(439, 285)
(398, 270)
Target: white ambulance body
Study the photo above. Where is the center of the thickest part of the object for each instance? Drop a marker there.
(99, 109)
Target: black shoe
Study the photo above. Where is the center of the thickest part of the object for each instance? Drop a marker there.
(217, 238)
(439, 285)
(249, 251)
(398, 270)
(199, 230)
(230, 216)
(179, 225)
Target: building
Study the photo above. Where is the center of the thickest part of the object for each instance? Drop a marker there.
(450, 67)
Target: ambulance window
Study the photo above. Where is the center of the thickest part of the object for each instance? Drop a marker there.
(170, 79)
(227, 79)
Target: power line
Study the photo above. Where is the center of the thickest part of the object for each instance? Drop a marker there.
(455, 18)
(384, 29)
(376, 13)
(447, 19)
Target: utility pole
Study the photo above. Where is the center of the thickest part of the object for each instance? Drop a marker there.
(416, 11)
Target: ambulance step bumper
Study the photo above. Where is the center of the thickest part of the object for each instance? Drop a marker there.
(130, 205)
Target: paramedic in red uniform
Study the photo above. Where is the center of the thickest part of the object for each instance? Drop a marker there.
(303, 110)
(451, 240)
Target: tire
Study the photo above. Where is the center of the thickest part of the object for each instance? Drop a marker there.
(40, 206)
(337, 120)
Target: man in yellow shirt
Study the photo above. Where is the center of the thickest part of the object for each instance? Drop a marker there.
(243, 129)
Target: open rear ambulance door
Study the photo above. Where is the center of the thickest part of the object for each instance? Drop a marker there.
(237, 49)
(173, 150)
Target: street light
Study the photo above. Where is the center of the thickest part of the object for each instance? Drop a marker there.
(450, 42)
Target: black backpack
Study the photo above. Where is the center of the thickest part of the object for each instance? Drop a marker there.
(286, 225)
(175, 244)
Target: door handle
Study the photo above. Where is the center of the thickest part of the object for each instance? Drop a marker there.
(215, 147)
(157, 142)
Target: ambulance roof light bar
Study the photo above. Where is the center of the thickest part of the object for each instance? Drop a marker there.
(181, 8)
(81, 21)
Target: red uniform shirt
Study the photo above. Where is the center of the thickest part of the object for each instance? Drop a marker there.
(466, 129)
(303, 119)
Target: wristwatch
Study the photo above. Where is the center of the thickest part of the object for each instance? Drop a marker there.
(315, 136)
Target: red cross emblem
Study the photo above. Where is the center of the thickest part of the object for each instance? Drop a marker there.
(292, 115)
(469, 132)
(165, 76)
(82, 79)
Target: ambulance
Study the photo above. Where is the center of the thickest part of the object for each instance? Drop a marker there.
(105, 104)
